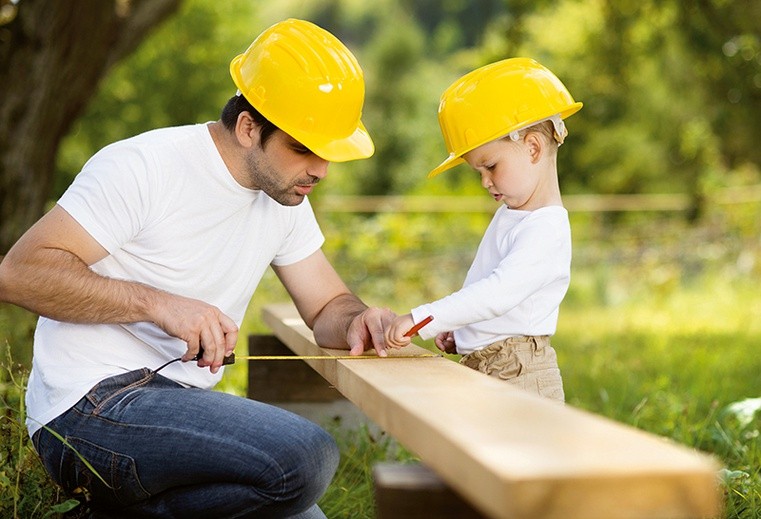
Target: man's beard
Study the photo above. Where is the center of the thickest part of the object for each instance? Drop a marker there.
(267, 179)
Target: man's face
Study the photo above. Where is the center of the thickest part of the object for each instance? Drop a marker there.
(285, 169)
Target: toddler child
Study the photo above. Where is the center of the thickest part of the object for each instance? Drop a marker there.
(506, 121)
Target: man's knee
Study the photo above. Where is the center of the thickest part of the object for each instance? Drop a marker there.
(323, 459)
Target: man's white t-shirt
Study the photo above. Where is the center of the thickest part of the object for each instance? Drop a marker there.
(515, 285)
(168, 211)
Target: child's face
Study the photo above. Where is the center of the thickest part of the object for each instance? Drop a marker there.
(507, 171)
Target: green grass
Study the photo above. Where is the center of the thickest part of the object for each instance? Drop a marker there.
(26, 491)
(350, 494)
(660, 330)
(677, 364)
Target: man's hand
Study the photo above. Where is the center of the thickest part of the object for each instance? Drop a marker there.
(200, 325)
(366, 331)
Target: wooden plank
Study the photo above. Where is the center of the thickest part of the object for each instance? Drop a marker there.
(509, 453)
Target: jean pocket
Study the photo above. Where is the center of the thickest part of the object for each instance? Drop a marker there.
(116, 481)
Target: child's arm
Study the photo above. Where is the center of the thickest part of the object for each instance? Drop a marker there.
(534, 258)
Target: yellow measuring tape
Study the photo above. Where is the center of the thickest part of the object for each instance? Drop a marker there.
(232, 358)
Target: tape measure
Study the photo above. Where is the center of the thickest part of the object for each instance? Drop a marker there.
(232, 358)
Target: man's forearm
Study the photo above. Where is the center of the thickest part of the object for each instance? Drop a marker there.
(57, 284)
(332, 323)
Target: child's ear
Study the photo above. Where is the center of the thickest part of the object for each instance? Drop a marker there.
(536, 146)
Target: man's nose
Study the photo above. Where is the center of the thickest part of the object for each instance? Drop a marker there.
(318, 168)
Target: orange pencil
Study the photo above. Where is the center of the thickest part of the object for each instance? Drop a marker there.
(412, 331)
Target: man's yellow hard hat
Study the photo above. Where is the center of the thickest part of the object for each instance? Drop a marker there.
(307, 83)
(497, 99)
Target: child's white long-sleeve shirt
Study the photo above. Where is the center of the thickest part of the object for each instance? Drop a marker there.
(514, 287)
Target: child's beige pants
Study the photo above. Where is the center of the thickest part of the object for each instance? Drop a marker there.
(527, 362)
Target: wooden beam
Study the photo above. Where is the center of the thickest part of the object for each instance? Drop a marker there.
(413, 491)
(509, 453)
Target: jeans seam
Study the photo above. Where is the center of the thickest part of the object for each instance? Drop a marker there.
(138, 383)
(111, 479)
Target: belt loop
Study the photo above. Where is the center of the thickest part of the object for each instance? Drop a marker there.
(539, 344)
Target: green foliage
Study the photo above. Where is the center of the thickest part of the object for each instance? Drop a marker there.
(26, 491)
(179, 75)
(350, 495)
(16, 334)
(395, 52)
(670, 89)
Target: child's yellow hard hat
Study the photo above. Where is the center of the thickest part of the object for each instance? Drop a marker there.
(307, 83)
(497, 99)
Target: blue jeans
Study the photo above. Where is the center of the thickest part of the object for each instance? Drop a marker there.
(170, 451)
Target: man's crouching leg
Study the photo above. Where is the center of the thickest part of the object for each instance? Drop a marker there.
(162, 450)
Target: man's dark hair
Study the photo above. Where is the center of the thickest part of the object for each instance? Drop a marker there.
(238, 104)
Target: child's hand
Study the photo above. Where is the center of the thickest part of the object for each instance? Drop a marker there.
(394, 334)
(445, 342)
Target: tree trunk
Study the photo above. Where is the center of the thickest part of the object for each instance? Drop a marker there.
(52, 56)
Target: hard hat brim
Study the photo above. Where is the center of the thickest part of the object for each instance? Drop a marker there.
(356, 146)
(455, 159)
(450, 162)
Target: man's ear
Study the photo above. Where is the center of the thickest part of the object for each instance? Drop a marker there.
(247, 131)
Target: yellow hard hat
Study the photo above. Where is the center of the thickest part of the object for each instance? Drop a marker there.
(497, 99)
(307, 83)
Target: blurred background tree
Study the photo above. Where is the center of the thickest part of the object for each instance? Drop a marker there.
(672, 90)
(52, 57)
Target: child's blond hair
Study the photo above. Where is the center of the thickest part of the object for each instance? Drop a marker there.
(546, 129)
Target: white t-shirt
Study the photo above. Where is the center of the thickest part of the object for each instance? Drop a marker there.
(514, 287)
(168, 211)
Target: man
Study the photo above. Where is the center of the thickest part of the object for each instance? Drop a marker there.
(153, 254)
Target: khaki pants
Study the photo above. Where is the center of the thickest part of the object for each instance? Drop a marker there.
(527, 362)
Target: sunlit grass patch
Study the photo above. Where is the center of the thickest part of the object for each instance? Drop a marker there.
(26, 491)
(350, 495)
(662, 336)
(681, 363)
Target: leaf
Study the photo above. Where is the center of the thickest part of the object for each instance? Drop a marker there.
(66, 506)
(66, 443)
